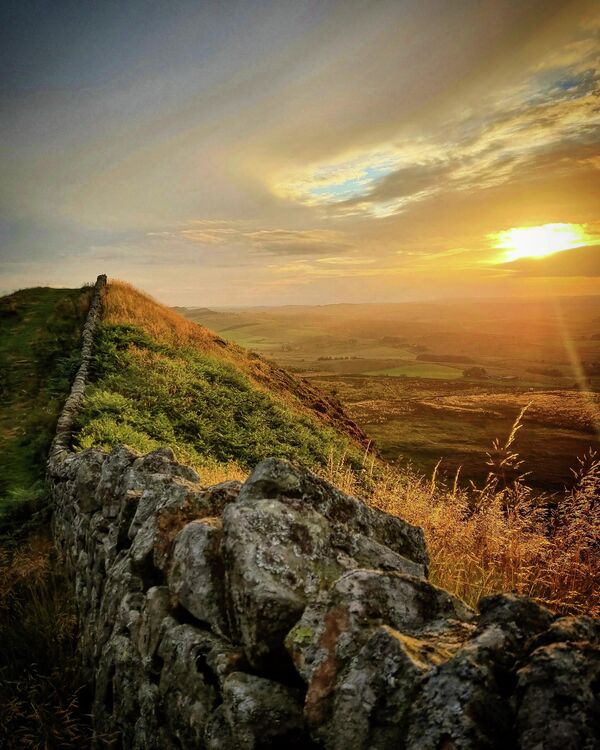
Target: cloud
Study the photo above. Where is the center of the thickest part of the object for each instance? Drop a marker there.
(39, 238)
(579, 262)
(555, 109)
(265, 241)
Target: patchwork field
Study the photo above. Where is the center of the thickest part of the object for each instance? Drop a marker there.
(433, 381)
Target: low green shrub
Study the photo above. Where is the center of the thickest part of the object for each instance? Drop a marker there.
(145, 394)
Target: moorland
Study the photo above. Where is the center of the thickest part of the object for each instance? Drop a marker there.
(442, 380)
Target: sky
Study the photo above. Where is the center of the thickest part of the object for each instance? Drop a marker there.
(301, 152)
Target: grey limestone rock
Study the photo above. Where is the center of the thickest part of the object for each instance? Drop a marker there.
(289, 537)
(334, 629)
(196, 577)
(282, 613)
(275, 478)
(263, 715)
(188, 695)
(558, 695)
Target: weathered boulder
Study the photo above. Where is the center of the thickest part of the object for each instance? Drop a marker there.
(312, 540)
(463, 700)
(188, 695)
(262, 714)
(373, 695)
(278, 479)
(336, 627)
(558, 698)
(197, 574)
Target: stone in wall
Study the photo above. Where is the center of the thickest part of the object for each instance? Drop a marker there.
(282, 613)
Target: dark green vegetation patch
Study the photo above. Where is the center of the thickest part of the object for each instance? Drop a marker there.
(40, 332)
(146, 394)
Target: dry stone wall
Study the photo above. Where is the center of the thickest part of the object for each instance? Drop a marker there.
(61, 445)
(282, 613)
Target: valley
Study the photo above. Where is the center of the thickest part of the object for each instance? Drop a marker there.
(442, 380)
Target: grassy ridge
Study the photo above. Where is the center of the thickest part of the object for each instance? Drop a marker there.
(158, 379)
(39, 354)
(163, 380)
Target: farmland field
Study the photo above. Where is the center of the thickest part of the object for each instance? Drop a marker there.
(417, 370)
(433, 381)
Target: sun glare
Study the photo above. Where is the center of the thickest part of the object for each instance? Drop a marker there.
(538, 242)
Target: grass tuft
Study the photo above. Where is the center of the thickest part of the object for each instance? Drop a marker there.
(500, 537)
(42, 696)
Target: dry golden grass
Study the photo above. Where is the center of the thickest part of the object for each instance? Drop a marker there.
(499, 538)
(44, 703)
(215, 473)
(123, 304)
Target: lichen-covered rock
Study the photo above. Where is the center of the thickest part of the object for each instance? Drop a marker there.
(152, 542)
(558, 697)
(336, 627)
(217, 734)
(312, 540)
(282, 613)
(269, 581)
(565, 629)
(88, 475)
(188, 695)
(518, 616)
(374, 693)
(262, 714)
(108, 492)
(278, 479)
(220, 495)
(197, 575)
(153, 613)
(462, 702)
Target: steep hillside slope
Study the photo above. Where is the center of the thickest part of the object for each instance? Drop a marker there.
(39, 352)
(159, 380)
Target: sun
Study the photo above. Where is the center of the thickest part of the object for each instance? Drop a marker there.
(538, 242)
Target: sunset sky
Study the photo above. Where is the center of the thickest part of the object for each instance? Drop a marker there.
(260, 153)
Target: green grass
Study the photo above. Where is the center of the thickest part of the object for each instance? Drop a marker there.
(43, 701)
(420, 370)
(146, 393)
(39, 354)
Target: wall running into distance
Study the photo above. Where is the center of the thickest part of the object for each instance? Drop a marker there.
(282, 613)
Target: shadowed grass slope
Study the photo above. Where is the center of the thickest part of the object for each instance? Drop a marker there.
(43, 698)
(40, 331)
(42, 701)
